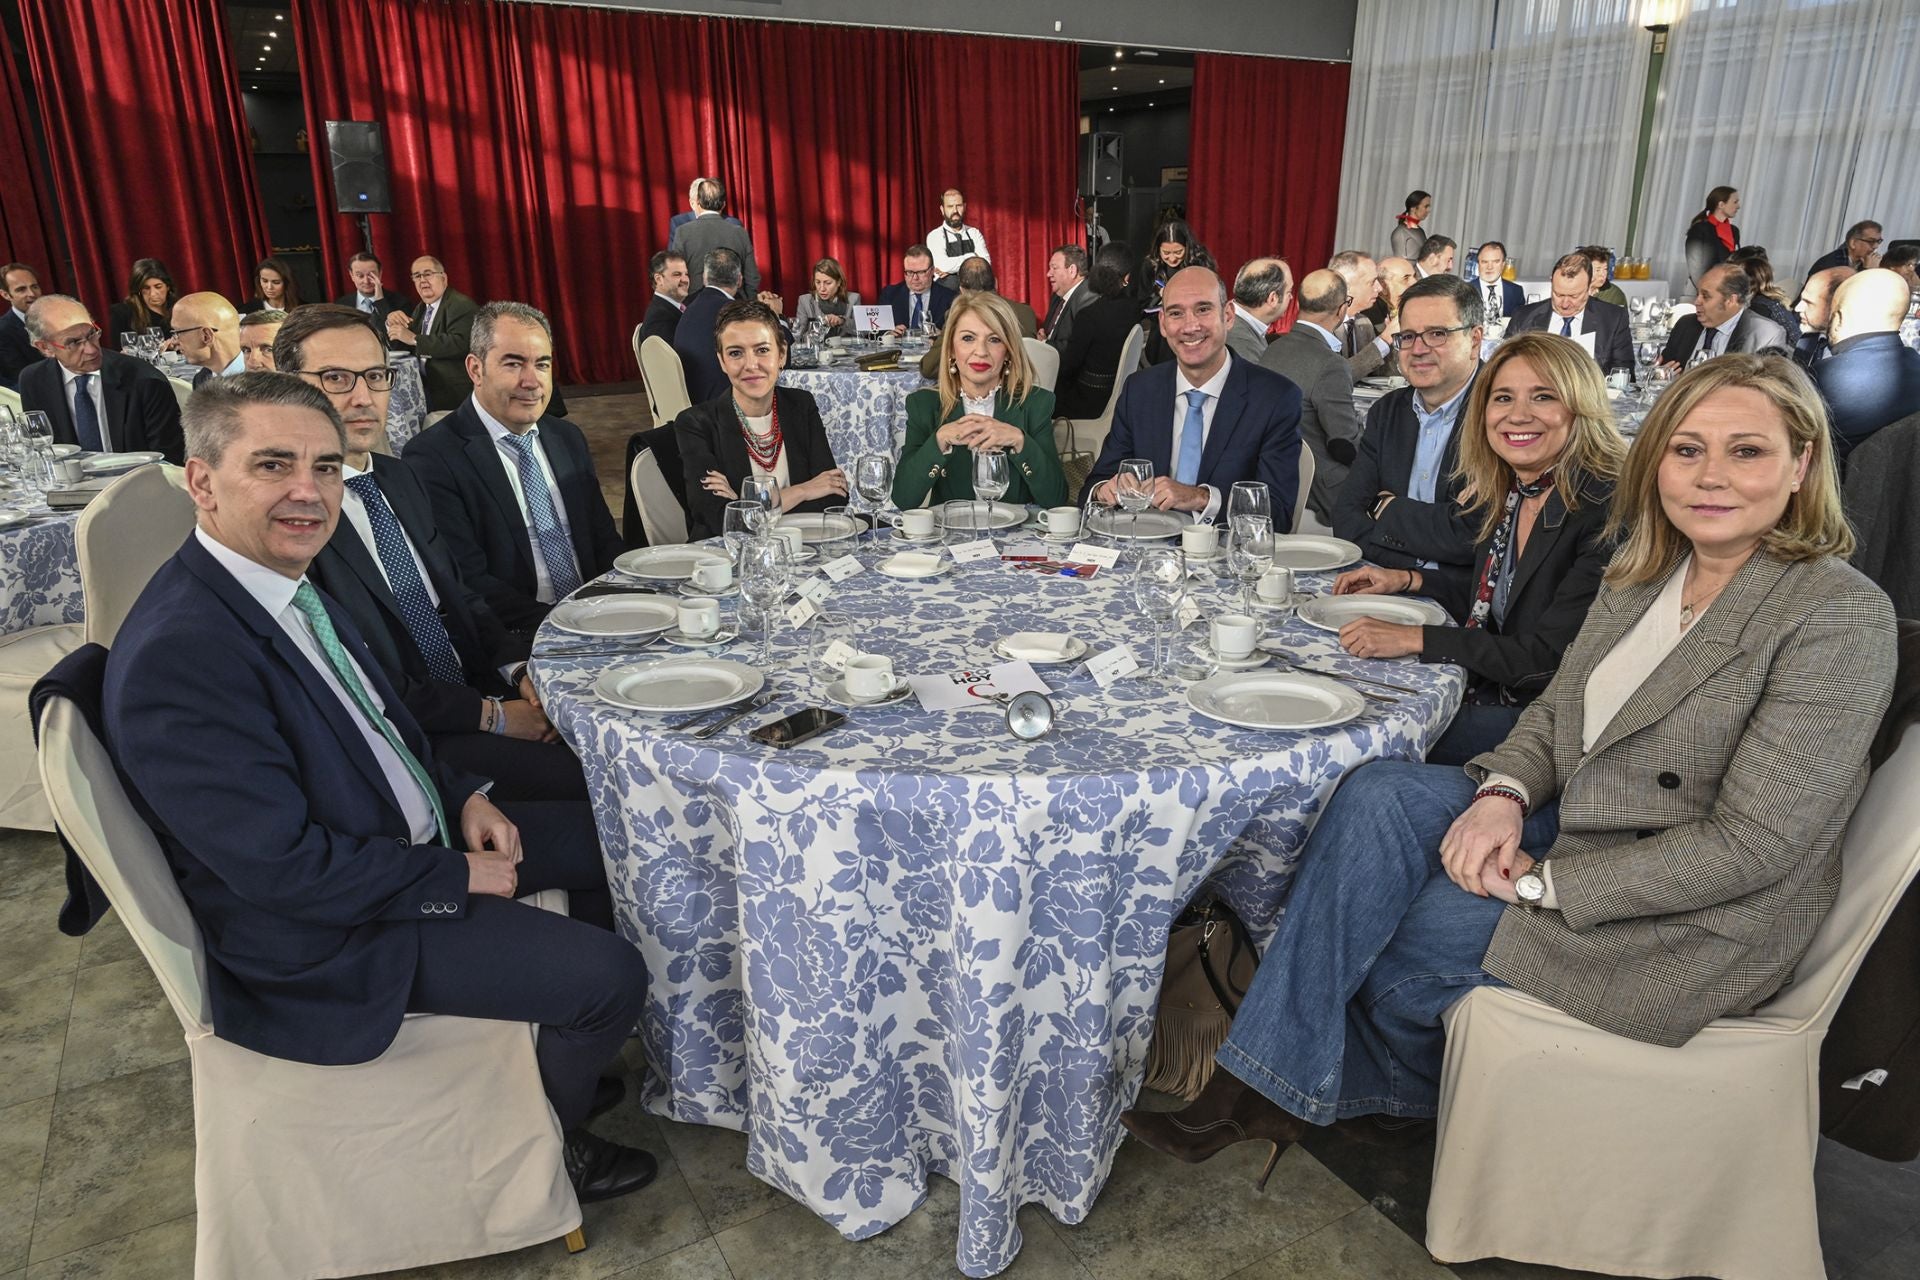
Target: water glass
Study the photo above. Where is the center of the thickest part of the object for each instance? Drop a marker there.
(740, 525)
(766, 569)
(1133, 487)
(1250, 547)
(1159, 588)
(764, 490)
(992, 475)
(873, 478)
(1250, 498)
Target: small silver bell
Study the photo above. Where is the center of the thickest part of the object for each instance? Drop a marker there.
(1029, 715)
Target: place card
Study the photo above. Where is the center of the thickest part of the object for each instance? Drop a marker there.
(1087, 553)
(843, 568)
(1112, 665)
(1189, 613)
(800, 612)
(968, 552)
(838, 654)
(816, 590)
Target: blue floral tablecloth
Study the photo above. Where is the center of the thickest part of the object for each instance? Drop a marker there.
(917, 945)
(407, 407)
(39, 572)
(863, 412)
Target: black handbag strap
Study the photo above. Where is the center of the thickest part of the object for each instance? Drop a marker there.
(1210, 917)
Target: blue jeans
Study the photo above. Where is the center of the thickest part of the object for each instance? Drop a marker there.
(1476, 728)
(1343, 1018)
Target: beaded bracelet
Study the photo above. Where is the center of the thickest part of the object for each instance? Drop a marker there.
(1505, 792)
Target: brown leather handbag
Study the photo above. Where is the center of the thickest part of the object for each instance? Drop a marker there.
(1210, 964)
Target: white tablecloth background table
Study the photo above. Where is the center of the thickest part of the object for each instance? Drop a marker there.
(863, 412)
(39, 570)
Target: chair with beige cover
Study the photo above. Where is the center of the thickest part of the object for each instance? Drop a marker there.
(444, 1147)
(25, 656)
(1569, 1146)
(661, 515)
(182, 391)
(123, 537)
(666, 380)
(1300, 512)
(1091, 433)
(1045, 360)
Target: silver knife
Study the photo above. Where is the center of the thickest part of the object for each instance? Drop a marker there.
(756, 703)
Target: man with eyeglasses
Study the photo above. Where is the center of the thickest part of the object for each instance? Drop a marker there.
(1860, 250)
(22, 287)
(97, 399)
(438, 332)
(207, 329)
(1571, 311)
(1400, 500)
(914, 300)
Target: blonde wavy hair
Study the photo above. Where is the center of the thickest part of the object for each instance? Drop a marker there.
(1594, 448)
(1814, 523)
(1016, 378)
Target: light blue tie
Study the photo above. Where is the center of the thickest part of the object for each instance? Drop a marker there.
(548, 537)
(1192, 439)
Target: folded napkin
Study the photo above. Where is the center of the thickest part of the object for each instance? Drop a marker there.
(1036, 646)
(915, 562)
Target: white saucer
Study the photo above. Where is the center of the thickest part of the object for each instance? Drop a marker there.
(691, 591)
(1248, 663)
(899, 535)
(891, 570)
(713, 641)
(837, 692)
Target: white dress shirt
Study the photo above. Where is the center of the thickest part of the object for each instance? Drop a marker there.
(1212, 387)
(937, 246)
(509, 462)
(354, 512)
(237, 365)
(1556, 323)
(274, 593)
(97, 392)
(1723, 334)
(1331, 338)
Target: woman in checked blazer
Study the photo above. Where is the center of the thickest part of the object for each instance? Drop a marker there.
(1653, 845)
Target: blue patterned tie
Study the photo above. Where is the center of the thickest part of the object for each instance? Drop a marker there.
(915, 322)
(409, 590)
(86, 419)
(548, 537)
(1566, 326)
(1192, 439)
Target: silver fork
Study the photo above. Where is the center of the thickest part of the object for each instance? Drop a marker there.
(756, 703)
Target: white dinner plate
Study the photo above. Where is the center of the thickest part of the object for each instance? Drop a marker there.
(911, 565)
(1275, 700)
(1146, 526)
(675, 563)
(1042, 647)
(962, 514)
(8, 519)
(101, 463)
(621, 615)
(678, 684)
(1311, 552)
(1334, 612)
(685, 641)
(837, 692)
(819, 526)
(65, 450)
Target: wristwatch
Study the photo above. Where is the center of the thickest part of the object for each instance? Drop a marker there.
(1531, 888)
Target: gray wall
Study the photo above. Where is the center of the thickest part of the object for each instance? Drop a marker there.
(1291, 28)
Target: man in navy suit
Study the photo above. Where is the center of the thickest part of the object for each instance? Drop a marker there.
(914, 300)
(721, 275)
(514, 492)
(341, 875)
(1872, 378)
(1205, 419)
(16, 348)
(370, 297)
(97, 399)
(1571, 311)
(1498, 296)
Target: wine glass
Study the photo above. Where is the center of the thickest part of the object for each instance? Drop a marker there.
(1250, 498)
(764, 491)
(873, 480)
(992, 474)
(1133, 489)
(1249, 553)
(765, 570)
(739, 526)
(36, 464)
(1159, 588)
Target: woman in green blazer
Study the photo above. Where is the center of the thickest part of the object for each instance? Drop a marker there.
(985, 399)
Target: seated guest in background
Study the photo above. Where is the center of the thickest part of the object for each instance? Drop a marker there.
(514, 492)
(1904, 261)
(454, 665)
(1261, 291)
(1090, 358)
(706, 231)
(278, 292)
(1366, 344)
(693, 208)
(828, 302)
(148, 304)
(1539, 454)
(1722, 321)
(1436, 256)
(671, 284)
(1407, 235)
(754, 427)
(1174, 246)
(1206, 419)
(986, 401)
(1397, 275)
(258, 329)
(953, 241)
(439, 331)
(343, 874)
(1400, 502)
(1860, 250)
(914, 300)
(1571, 311)
(720, 274)
(207, 331)
(1603, 287)
(1500, 296)
(22, 287)
(1768, 298)
(1871, 378)
(1308, 355)
(369, 295)
(976, 276)
(1654, 810)
(1815, 309)
(1067, 270)
(97, 399)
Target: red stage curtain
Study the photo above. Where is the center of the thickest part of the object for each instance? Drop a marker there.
(148, 142)
(27, 218)
(1264, 163)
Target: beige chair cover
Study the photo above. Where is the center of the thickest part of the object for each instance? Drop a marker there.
(442, 1148)
(182, 390)
(1569, 1146)
(1045, 360)
(666, 380)
(123, 537)
(661, 516)
(25, 656)
(10, 399)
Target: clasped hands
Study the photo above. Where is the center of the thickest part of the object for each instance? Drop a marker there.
(828, 484)
(400, 327)
(493, 848)
(978, 431)
(1167, 495)
(1375, 637)
(1481, 852)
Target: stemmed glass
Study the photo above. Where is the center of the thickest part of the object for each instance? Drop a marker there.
(1249, 553)
(1250, 498)
(1159, 588)
(1133, 489)
(36, 465)
(873, 480)
(740, 524)
(992, 474)
(764, 491)
(765, 570)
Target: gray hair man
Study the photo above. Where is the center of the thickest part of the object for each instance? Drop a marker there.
(1261, 291)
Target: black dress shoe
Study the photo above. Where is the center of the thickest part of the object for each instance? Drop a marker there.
(601, 1170)
(608, 1092)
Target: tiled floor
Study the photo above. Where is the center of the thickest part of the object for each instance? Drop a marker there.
(96, 1170)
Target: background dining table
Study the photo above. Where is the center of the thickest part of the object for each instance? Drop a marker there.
(863, 412)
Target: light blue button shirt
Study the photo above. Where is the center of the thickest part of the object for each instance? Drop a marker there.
(1436, 428)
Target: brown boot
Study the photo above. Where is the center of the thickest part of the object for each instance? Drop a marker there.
(1226, 1112)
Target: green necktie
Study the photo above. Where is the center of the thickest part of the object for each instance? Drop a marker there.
(307, 601)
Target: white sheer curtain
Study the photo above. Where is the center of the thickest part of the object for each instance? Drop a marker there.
(1807, 106)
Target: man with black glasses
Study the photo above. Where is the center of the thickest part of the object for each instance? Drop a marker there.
(97, 399)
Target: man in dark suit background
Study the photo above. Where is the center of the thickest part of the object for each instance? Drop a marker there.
(707, 231)
(342, 875)
(1068, 295)
(1400, 500)
(129, 405)
(1366, 344)
(671, 284)
(514, 491)
(1860, 250)
(16, 347)
(1205, 419)
(914, 299)
(693, 208)
(1436, 256)
(1721, 320)
(370, 296)
(1308, 355)
(1571, 311)
(1261, 291)
(454, 664)
(1815, 309)
(1499, 296)
(438, 332)
(1872, 378)
(720, 275)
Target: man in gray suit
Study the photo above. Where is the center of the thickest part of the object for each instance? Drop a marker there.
(1308, 355)
(1365, 346)
(1067, 281)
(707, 231)
(1260, 293)
(1721, 321)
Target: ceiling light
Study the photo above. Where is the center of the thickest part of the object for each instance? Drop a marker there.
(1163, 82)
(1113, 68)
(1116, 88)
(279, 17)
(1119, 53)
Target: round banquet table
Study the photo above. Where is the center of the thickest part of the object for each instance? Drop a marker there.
(407, 407)
(863, 412)
(39, 570)
(918, 945)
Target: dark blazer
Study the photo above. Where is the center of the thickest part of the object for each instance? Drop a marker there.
(1811, 348)
(900, 298)
(1881, 493)
(383, 306)
(445, 349)
(709, 438)
(120, 321)
(1255, 433)
(1838, 258)
(693, 340)
(348, 572)
(465, 476)
(288, 844)
(923, 469)
(1512, 296)
(1751, 332)
(1781, 314)
(1870, 380)
(1063, 316)
(1554, 583)
(1704, 249)
(697, 237)
(661, 321)
(1612, 333)
(16, 349)
(1090, 356)
(1408, 531)
(142, 411)
(1328, 424)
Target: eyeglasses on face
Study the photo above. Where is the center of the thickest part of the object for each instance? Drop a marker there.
(91, 338)
(1432, 337)
(338, 382)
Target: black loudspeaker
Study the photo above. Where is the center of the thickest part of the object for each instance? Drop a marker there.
(358, 153)
(1100, 164)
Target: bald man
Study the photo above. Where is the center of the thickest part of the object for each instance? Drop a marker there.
(1308, 355)
(97, 399)
(1260, 295)
(1871, 378)
(1815, 308)
(207, 328)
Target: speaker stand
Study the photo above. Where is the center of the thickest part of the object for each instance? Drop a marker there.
(366, 231)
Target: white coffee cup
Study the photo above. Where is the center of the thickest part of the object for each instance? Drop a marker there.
(713, 575)
(699, 616)
(791, 536)
(1233, 636)
(1061, 522)
(1275, 585)
(869, 675)
(1199, 539)
(917, 523)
